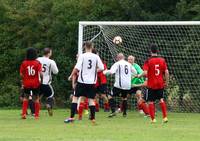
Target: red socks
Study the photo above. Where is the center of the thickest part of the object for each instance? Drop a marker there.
(24, 107)
(139, 106)
(96, 106)
(164, 109)
(152, 110)
(37, 109)
(80, 110)
(144, 108)
(106, 106)
(86, 104)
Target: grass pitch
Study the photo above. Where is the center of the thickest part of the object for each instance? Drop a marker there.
(181, 127)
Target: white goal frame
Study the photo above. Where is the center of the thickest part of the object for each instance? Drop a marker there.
(85, 23)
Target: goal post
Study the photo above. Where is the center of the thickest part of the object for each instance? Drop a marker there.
(178, 43)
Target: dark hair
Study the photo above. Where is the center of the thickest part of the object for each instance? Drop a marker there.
(88, 44)
(94, 51)
(46, 51)
(154, 48)
(31, 54)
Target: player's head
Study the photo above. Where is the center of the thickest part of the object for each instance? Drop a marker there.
(154, 48)
(47, 52)
(88, 45)
(94, 51)
(131, 59)
(120, 56)
(31, 54)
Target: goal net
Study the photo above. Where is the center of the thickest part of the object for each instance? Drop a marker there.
(178, 43)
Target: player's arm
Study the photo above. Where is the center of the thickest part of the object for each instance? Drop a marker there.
(70, 76)
(145, 68)
(76, 68)
(144, 73)
(41, 76)
(166, 77)
(166, 74)
(139, 69)
(133, 71)
(40, 73)
(140, 85)
(54, 67)
(100, 64)
(74, 79)
(112, 70)
(22, 70)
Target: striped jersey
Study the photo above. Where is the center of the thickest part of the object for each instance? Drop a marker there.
(48, 67)
(87, 64)
(123, 71)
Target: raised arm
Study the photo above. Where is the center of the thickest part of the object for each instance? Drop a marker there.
(166, 77)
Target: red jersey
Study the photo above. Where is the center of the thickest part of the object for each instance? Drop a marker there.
(30, 70)
(155, 67)
(101, 78)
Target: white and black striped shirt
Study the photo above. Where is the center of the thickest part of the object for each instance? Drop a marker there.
(123, 71)
(87, 65)
(48, 67)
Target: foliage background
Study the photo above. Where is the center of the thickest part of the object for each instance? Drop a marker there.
(54, 23)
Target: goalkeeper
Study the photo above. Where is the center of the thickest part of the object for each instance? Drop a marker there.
(137, 83)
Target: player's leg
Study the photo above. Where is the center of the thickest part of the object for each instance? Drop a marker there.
(91, 93)
(141, 102)
(25, 103)
(86, 103)
(114, 92)
(163, 106)
(36, 99)
(32, 106)
(103, 91)
(81, 107)
(96, 102)
(151, 99)
(73, 110)
(124, 101)
(49, 94)
(77, 93)
(106, 102)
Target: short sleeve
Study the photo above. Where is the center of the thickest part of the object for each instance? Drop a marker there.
(133, 70)
(39, 67)
(100, 64)
(54, 67)
(22, 68)
(79, 62)
(114, 68)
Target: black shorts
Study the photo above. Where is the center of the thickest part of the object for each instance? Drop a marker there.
(153, 95)
(134, 90)
(101, 89)
(119, 92)
(46, 90)
(86, 90)
(31, 91)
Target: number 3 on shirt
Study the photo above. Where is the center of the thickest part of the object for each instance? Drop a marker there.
(157, 70)
(89, 64)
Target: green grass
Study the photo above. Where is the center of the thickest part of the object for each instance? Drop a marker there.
(181, 127)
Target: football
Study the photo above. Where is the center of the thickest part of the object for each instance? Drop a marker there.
(117, 40)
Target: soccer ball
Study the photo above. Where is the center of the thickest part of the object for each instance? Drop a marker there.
(117, 40)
